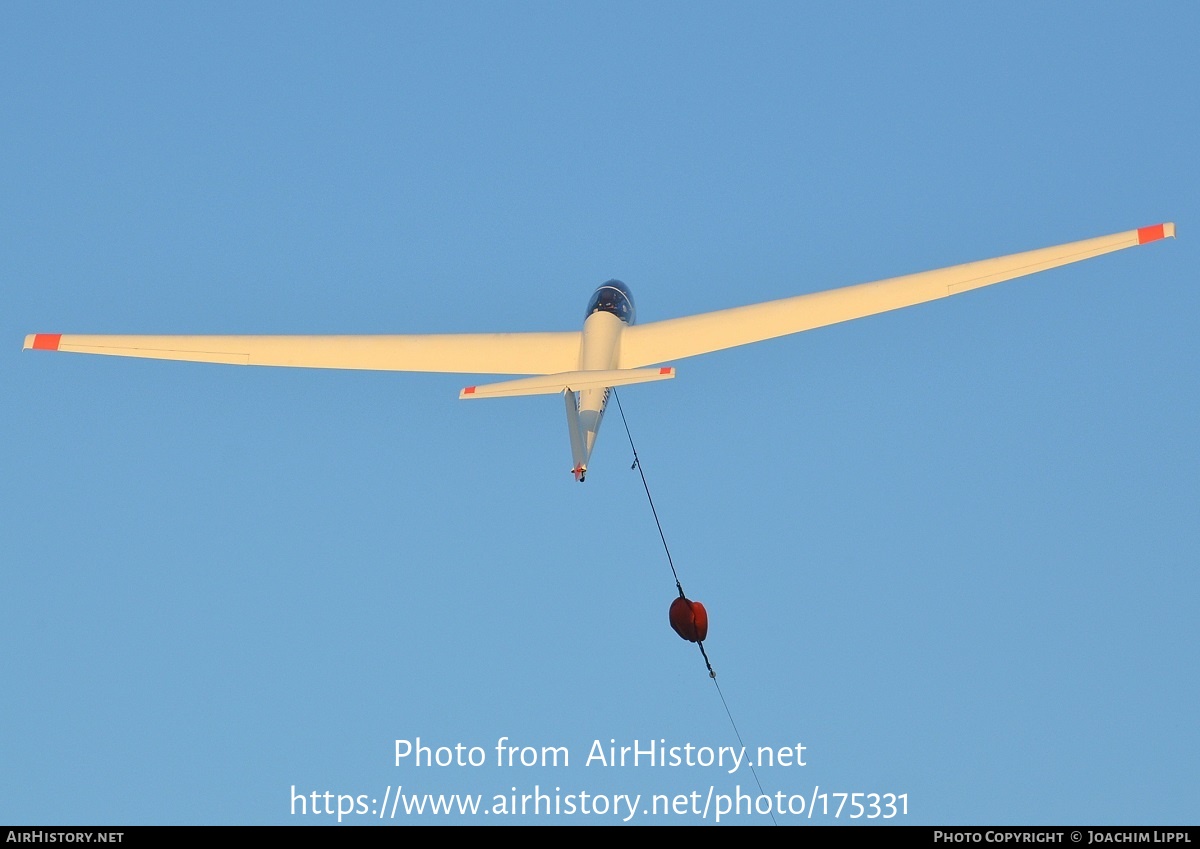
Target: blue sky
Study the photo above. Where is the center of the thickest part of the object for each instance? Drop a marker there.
(950, 550)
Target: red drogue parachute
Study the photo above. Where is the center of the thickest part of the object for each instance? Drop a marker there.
(689, 619)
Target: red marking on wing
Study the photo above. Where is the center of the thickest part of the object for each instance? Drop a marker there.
(1150, 234)
(46, 341)
(665, 370)
(470, 390)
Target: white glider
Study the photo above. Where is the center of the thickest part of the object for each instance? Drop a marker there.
(610, 350)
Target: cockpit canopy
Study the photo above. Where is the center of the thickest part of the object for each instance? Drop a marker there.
(613, 297)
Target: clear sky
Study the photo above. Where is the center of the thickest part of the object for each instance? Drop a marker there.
(952, 550)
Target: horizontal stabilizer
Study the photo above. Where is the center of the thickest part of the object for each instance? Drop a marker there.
(567, 381)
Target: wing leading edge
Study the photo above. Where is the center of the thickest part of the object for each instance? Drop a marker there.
(674, 339)
(468, 353)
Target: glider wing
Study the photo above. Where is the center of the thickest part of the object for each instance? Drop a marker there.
(470, 353)
(673, 339)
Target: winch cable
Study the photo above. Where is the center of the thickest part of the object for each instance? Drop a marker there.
(637, 464)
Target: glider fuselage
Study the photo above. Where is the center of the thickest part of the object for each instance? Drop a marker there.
(610, 311)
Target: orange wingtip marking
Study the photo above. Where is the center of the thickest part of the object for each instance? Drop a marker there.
(46, 341)
(470, 390)
(664, 371)
(1150, 234)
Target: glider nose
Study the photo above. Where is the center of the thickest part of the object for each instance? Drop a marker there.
(614, 297)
